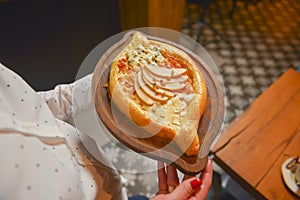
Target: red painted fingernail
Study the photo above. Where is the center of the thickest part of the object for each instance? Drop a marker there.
(196, 183)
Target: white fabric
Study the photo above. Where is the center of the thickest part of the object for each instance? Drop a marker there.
(41, 155)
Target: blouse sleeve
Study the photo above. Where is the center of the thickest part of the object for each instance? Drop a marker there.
(65, 100)
(47, 158)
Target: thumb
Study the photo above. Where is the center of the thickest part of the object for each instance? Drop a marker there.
(186, 188)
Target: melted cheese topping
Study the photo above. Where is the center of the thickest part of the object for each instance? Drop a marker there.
(141, 55)
(165, 91)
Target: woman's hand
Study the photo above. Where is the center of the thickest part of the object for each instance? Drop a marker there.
(191, 188)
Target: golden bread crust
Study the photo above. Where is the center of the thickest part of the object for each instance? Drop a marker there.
(129, 102)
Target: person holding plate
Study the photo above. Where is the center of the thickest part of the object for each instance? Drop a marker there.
(43, 157)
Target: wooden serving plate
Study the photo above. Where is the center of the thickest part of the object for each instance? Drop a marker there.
(209, 125)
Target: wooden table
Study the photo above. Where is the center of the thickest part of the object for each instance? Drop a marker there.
(254, 146)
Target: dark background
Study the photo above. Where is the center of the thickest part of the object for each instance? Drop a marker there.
(46, 41)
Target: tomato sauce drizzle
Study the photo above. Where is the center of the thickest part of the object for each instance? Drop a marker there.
(173, 61)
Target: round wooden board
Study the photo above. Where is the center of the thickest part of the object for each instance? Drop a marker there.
(209, 124)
